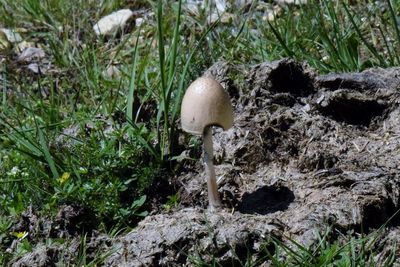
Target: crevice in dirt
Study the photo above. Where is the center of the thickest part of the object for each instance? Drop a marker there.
(280, 82)
(162, 186)
(377, 214)
(290, 78)
(72, 220)
(345, 107)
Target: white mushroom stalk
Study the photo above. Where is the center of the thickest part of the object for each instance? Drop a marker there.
(205, 105)
(213, 196)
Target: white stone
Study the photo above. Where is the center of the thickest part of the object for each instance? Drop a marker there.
(212, 18)
(110, 24)
(31, 53)
(139, 21)
(291, 2)
(195, 6)
(272, 13)
(221, 5)
(34, 67)
(22, 46)
(5, 45)
(112, 72)
(225, 18)
(12, 36)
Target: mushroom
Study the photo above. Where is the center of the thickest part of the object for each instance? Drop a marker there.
(205, 105)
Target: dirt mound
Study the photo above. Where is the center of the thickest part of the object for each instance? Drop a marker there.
(176, 238)
(305, 152)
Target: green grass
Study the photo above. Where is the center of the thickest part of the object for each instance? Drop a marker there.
(123, 132)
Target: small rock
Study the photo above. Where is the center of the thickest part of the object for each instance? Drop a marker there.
(12, 36)
(224, 5)
(221, 5)
(195, 6)
(4, 43)
(139, 21)
(34, 67)
(109, 25)
(291, 2)
(227, 18)
(213, 18)
(31, 53)
(22, 46)
(39, 68)
(271, 14)
(112, 72)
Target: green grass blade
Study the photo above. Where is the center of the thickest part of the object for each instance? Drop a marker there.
(22, 138)
(4, 91)
(175, 42)
(394, 20)
(278, 36)
(164, 101)
(47, 154)
(131, 93)
(161, 52)
(172, 68)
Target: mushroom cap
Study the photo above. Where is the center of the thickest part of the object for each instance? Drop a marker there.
(205, 104)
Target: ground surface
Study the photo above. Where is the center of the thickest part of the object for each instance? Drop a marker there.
(306, 152)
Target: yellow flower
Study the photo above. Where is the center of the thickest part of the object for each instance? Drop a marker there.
(64, 177)
(20, 235)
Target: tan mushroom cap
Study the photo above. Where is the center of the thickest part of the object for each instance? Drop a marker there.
(205, 104)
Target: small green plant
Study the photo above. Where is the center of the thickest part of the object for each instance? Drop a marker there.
(172, 202)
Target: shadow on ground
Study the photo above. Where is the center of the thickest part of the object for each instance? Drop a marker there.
(267, 199)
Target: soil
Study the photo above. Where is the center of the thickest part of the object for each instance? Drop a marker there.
(306, 152)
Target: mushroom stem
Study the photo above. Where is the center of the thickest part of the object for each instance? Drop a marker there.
(213, 196)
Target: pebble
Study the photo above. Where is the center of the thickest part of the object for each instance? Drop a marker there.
(291, 2)
(12, 36)
(31, 53)
(5, 45)
(8, 38)
(110, 24)
(112, 72)
(139, 21)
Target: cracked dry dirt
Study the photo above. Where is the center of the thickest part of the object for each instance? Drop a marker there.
(306, 151)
